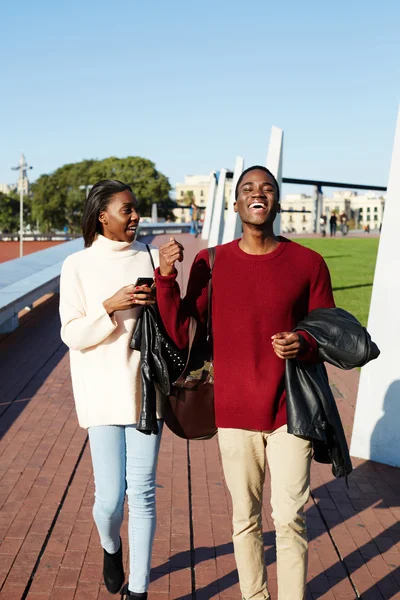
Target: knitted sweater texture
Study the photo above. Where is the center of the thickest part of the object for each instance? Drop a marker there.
(105, 371)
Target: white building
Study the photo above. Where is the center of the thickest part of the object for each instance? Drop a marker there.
(297, 222)
(362, 209)
(365, 209)
(368, 209)
(5, 188)
(195, 186)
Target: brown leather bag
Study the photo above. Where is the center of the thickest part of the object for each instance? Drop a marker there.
(189, 409)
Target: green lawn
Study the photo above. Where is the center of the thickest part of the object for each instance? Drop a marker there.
(351, 262)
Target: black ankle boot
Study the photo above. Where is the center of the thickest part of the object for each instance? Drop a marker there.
(125, 593)
(113, 570)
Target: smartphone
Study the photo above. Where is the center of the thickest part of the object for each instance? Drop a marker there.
(144, 281)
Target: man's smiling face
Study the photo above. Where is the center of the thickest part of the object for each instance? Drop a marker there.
(257, 201)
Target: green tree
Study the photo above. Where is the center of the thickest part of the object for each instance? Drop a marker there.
(74, 207)
(49, 203)
(9, 213)
(58, 198)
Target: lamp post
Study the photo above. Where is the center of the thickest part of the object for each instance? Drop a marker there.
(22, 168)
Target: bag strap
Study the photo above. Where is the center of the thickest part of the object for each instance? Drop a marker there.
(192, 320)
(211, 257)
(151, 257)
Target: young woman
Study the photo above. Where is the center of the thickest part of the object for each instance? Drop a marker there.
(99, 306)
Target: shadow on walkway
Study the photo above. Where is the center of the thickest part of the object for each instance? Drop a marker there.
(361, 520)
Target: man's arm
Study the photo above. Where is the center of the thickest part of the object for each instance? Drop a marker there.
(175, 312)
(300, 344)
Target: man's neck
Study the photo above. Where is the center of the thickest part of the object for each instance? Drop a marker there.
(256, 241)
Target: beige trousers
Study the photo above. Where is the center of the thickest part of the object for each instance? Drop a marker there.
(244, 454)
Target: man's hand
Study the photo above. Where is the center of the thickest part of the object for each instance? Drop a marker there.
(288, 344)
(169, 254)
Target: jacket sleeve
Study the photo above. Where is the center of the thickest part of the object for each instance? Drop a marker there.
(320, 296)
(175, 311)
(80, 329)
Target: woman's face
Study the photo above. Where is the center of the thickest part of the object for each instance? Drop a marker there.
(121, 217)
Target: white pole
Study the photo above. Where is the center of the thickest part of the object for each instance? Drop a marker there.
(210, 207)
(217, 223)
(154, 213)
(233, 225)
(21, 217)
(274, 164)
(376, 430)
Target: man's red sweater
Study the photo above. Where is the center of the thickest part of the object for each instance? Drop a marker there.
(254, 297)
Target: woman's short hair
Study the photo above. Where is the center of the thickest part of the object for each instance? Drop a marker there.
(98, 199)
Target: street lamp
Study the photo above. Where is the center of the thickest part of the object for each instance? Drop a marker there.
(22, 168)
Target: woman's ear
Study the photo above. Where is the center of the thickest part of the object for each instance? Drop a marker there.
(103, 218)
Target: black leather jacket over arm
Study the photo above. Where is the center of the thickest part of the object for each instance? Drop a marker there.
(311, 408)
(153, 368)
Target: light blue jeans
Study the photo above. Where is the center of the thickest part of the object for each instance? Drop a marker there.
(125, 461)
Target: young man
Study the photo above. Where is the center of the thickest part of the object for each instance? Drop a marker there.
(263, 285)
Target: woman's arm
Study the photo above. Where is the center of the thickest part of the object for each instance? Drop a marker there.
(81, 330)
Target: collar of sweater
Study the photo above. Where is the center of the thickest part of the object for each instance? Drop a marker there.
(112, 249)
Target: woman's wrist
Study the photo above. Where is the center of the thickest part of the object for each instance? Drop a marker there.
(109, 307)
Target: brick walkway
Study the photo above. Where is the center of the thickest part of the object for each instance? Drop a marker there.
(50, 549)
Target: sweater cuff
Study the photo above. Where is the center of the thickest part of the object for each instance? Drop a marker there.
(310, 352)
(103, 321)
(165, 281)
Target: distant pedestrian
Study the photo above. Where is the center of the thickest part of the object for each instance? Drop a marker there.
(99, 306)
(333, 224)
(344, 228)
(323, 221)
(194, 219)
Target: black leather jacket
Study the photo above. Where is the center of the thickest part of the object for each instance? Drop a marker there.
(160, 360)
(311, 408)
(151, 368)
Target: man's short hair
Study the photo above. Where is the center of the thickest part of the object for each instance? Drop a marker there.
(256, 168)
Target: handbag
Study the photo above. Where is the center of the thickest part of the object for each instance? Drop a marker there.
(189, 406)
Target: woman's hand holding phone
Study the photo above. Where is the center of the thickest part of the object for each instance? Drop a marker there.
(130, 296)
(145, 291)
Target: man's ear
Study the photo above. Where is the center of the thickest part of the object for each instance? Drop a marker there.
(278, 208)
(235, 207)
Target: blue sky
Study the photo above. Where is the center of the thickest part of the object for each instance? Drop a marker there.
(190, 85)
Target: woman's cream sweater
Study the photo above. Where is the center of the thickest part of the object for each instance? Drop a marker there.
(105, 371)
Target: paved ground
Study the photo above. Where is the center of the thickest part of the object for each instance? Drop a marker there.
(50, 549)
